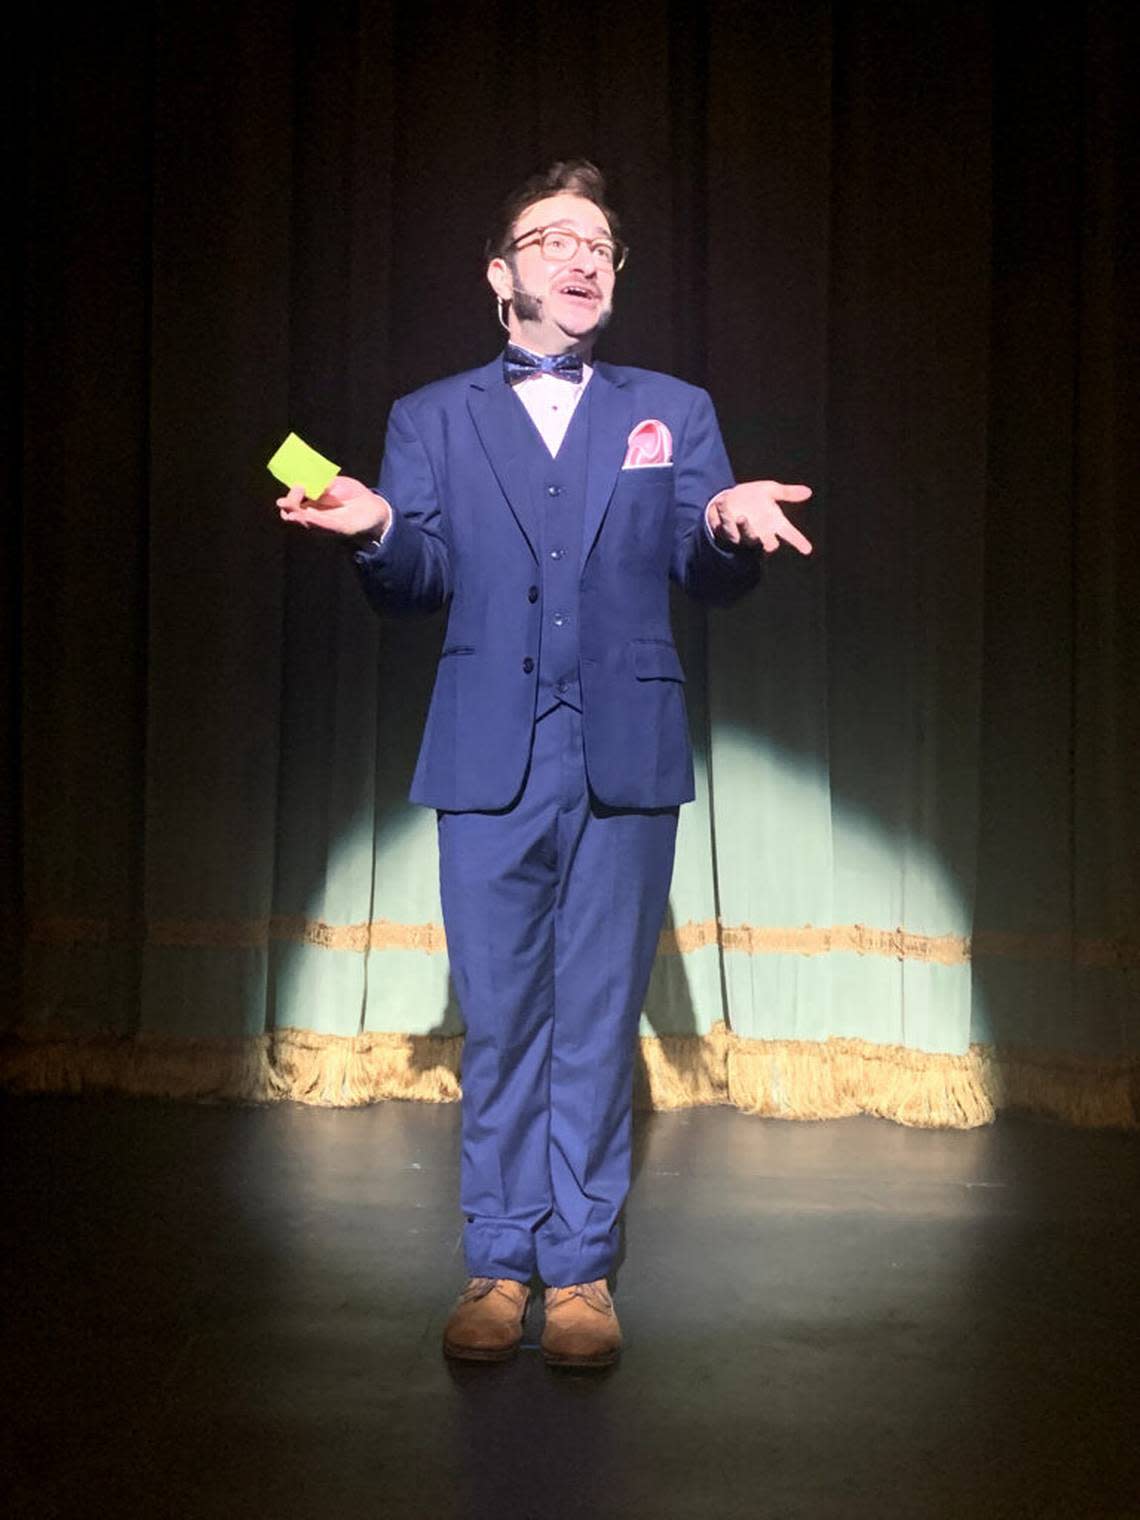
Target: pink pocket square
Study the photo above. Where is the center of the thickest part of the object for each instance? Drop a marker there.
(650, 443)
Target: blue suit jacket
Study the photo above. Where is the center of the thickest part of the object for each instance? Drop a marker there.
(466, 534)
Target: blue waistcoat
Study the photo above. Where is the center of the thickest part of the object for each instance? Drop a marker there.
(558, 487)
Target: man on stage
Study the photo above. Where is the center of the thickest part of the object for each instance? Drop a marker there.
(546, 501)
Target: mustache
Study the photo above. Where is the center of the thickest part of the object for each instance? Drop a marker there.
(529, 307)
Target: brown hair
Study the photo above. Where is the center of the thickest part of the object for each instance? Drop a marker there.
(572, 176)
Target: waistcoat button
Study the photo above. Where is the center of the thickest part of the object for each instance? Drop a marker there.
(528, 665)
(532, 594)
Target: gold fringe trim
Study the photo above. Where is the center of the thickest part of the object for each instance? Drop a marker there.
(682, 1070)
(786, 1079)
(801, 1079)
(237, 1070)
(900, 944)
(216, 933)
(256, 934)
(381, 934)
(337, 1071)
(741, 939)
(683, 939)
(1059, 948)
(60, 930)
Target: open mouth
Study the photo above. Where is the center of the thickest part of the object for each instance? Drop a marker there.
(579, 293)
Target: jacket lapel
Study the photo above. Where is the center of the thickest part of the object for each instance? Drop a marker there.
(501, 425)
(610, 418)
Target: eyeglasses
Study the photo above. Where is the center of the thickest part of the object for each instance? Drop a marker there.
(559, 245)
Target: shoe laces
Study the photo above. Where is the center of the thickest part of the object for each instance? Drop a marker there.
(596, 1294)
(479, 1287)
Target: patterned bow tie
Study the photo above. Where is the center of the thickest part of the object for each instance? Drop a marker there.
(518, 364)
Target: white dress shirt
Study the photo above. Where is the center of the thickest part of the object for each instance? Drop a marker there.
(550, 401)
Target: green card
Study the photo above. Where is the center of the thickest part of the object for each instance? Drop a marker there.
(296, 464)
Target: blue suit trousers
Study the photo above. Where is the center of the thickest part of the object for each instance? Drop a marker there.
(553, 908)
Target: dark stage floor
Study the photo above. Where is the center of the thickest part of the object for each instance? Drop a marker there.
(237, 1312)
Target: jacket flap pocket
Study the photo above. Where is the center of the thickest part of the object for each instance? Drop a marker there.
(653, 659)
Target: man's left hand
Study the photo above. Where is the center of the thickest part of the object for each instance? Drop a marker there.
(750, 514)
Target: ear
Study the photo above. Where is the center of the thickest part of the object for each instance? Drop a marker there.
(500, 279)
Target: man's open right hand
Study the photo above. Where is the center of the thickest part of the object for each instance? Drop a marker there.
(346, 507)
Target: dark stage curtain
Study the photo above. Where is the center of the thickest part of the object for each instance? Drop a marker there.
(895, 241)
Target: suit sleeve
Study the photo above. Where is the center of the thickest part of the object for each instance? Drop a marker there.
(409, 573)
(706, 571)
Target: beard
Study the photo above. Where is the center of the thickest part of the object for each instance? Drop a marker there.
(528, 308)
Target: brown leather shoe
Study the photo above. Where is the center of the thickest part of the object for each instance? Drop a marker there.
(486, 1323)
(582, 1328)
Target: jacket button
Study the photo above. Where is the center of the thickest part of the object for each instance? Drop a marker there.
(532, 594)
(528, 665)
